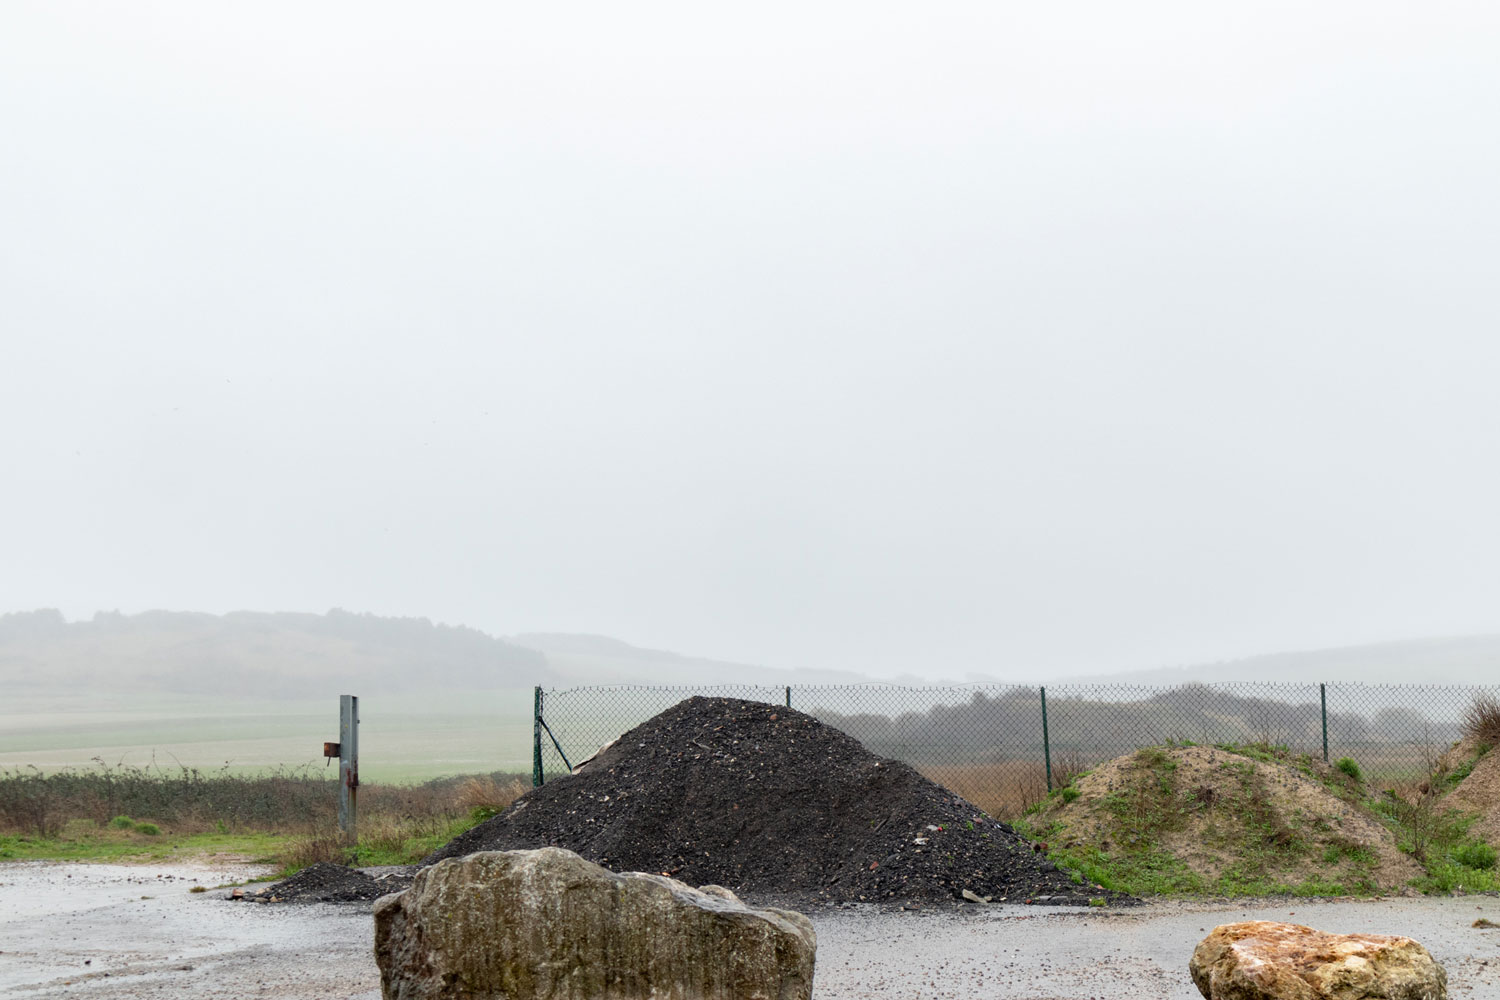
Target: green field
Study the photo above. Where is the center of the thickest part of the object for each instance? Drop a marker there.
(403, 738)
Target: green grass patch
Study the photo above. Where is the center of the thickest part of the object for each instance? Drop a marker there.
(1475, 854)
(1139, 873)
(83, 841)
(1338, 852)
(385, 849)
(1451, 779)
(1320, 887)
(1263, 752)
(1247, 879)
(1448, 877)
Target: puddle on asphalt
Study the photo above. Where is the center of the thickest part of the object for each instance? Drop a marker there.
(32, 889)
(60, 920)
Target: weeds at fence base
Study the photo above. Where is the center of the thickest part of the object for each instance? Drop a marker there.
(387, 842)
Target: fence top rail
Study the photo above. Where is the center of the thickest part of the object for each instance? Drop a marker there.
(1063, 686)
(652, 688)
(870, 686)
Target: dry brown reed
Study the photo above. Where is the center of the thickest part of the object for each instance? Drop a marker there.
(488, 793)
(186, 801)
(1481, 719)
(1003, 790)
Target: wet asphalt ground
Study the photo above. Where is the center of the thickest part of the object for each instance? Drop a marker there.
(116, 931)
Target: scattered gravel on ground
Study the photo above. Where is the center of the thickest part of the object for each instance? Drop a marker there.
(775, 805)
(330, 883)
(97, 938)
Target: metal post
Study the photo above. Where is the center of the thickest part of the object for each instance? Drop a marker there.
(788, 696)
(1046, 740)
(536, 739)
(348, 765)
(1323, 694)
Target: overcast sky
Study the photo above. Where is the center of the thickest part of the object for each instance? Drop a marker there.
(934, 338)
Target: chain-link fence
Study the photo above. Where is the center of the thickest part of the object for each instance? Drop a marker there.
(1003, 747)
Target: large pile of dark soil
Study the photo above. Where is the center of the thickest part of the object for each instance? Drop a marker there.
(775, 805)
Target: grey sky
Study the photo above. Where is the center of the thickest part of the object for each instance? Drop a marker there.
(990, 337)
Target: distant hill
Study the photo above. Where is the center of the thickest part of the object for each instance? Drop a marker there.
(250, 653)
(598, 659)
(290, 655)
(1473, 659)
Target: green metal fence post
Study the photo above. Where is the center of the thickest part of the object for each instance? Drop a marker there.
(1046, 740)
(536, 738)
(1323, 696)
(788, 696)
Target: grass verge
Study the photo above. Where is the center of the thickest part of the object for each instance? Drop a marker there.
(284, 820)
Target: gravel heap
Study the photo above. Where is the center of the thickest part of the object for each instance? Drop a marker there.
(325, 882)
(779, 807)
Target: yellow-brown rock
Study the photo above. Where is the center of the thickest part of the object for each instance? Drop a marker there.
(548, 925)
(1267, 960)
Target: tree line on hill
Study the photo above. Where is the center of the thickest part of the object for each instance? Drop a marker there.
(1008, 724)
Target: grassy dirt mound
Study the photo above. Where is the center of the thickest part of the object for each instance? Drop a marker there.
(1230, 821)
(772, 803)
(1473, 770)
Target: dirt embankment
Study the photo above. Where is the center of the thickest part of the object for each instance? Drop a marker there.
(1478, 792)
(1204, 819)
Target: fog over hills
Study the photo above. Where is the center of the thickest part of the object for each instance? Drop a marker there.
(299, 655)
(1461, 660)
(598, 659)
(249, 653)
(1472, 659)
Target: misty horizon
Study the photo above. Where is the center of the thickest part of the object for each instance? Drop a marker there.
(1425, 657)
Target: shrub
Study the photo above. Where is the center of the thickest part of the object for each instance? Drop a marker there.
(1350, 766)
(122, 823)
(182, 797)
(1070, 793)
(29, 802)
(149, 829)
(1481, 721)
(1475, 854)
